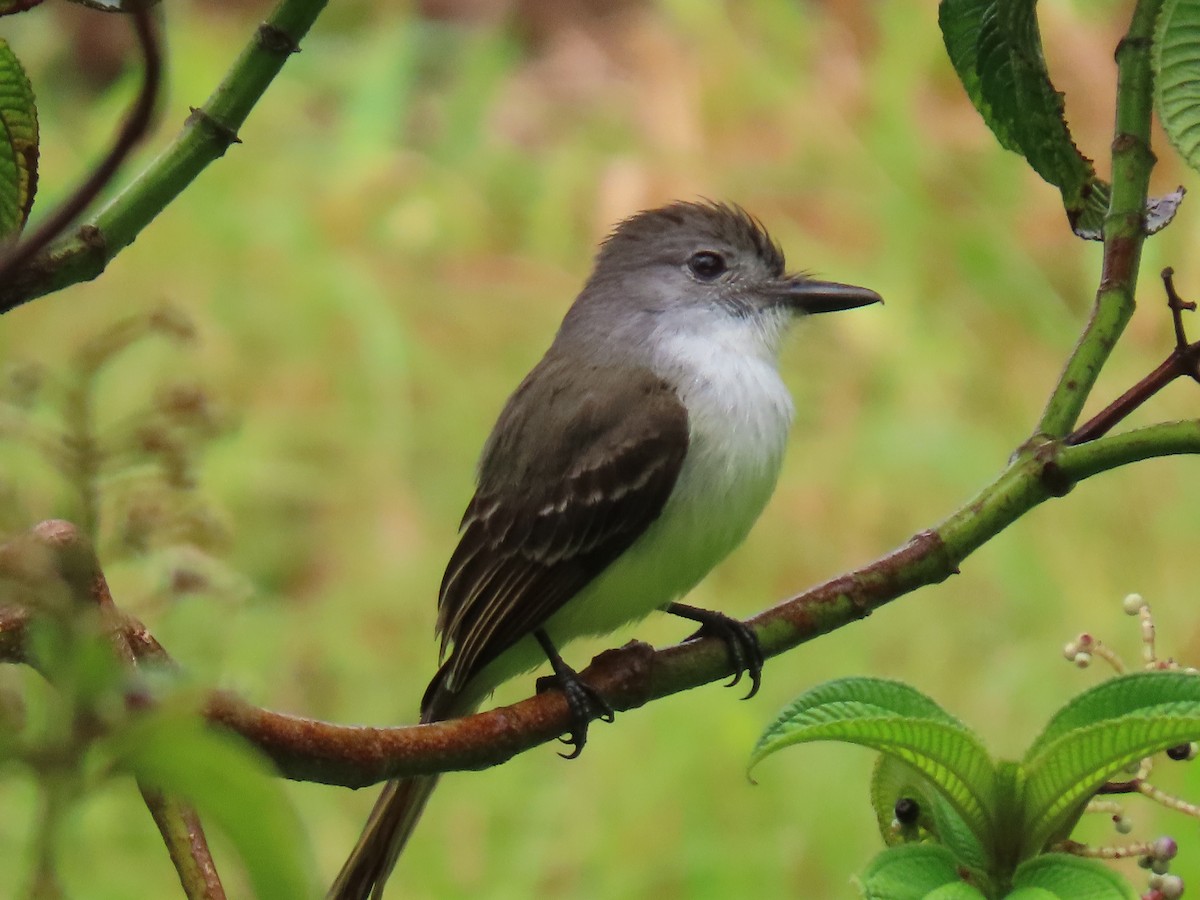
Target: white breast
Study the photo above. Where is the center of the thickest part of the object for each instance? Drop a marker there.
(739, 413)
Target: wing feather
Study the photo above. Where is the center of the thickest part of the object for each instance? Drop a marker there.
(568, 481)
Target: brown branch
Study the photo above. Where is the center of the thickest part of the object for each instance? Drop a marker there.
(629, 677)
(309, 750)
(135, 127)
(1184, 360)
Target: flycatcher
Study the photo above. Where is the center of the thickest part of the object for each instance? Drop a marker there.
(632, 459)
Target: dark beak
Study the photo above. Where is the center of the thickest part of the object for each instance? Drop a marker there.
(808, 296)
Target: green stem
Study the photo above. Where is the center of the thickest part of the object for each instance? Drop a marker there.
(205, 137)
(186, 844)
(1124, 226)
(1164, 439)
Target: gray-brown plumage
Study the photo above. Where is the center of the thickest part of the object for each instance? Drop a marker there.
(630, 461)
(542, 524)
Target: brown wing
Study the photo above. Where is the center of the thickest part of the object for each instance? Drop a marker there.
(569, 479)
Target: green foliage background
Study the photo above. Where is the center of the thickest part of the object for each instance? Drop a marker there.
(372, 271)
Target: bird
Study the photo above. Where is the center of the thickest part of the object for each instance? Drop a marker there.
(630, 460)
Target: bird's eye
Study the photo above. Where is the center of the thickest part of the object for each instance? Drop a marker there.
(707, 265)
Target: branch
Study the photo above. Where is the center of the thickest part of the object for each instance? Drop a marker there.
(1124, 227)
(1165, 439)
(632, 676)
(135, 127)
(1183, 360)
(206, 135)
(184, 837)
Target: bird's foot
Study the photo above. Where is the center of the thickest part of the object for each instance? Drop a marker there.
(584, 700)
(739, 639)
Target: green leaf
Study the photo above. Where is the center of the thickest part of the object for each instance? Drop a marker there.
(229, 784)
(960, 22)
(1176, 87)
(1065, 877)
(937, 819)
(1095, 736)
(915, 872)
(1117, 696)
(18, 146)
(896, 719)
(996, 50)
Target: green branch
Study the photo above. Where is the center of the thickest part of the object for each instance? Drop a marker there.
(1124, 226)
(205, 137)
(1164, 439)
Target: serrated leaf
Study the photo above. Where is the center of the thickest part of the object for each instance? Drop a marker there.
(1014, 81)
(1066, 877)
(915, 872)
(1115, 697)
(995, 47)
(230, 785)
(1176, 85)
(1067, 770)
(18, 144)
(960, 22)
(897, 719)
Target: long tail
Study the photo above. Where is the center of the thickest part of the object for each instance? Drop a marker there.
(396, 813)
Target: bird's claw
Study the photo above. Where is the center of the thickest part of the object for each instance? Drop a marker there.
(584, 701)
(739, 639)
(586, 704)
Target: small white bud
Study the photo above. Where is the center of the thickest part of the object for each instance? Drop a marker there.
(1132, 604)
(1123, 824)
(1082, 660)
(1171, 887)
(1070, 648)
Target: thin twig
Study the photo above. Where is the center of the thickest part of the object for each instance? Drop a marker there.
(186, 844)
(135, 127)
(206, 135)
(1184, 359)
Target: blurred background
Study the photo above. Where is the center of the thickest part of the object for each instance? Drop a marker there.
(415, 202)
